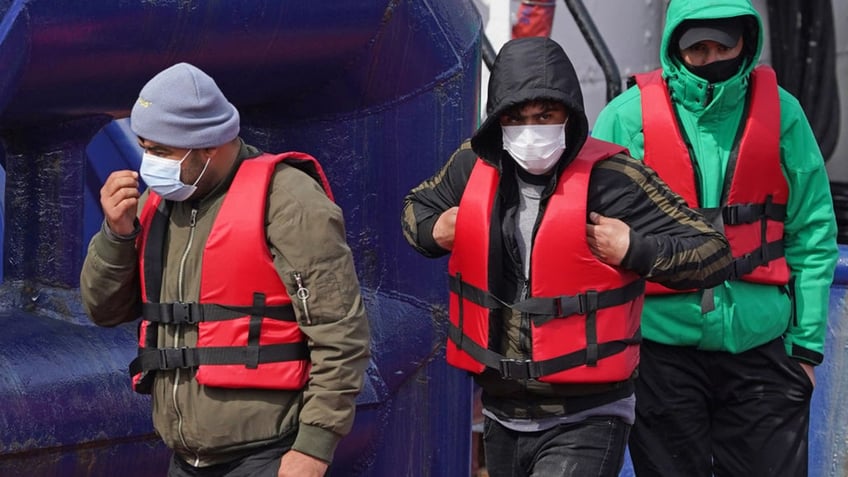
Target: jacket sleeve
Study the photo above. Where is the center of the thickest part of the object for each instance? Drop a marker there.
(669, 243)
(306, 234)
(620, 122)
(427, 201)
(809, 234)
(109, 280)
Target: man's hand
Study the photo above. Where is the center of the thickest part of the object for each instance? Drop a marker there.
(811, 372)
(445, 227)
(608, 238)
(119, 199)
(298, 464)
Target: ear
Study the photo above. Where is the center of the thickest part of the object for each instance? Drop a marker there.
(210, 151)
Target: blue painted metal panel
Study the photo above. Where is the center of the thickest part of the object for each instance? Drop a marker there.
(828, 410)
(380, 91)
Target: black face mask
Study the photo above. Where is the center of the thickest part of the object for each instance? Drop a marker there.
(717, 71)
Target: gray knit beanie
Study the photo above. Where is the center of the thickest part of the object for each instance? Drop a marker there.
(183, 107)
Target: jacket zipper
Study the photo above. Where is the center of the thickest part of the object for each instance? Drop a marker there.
(709, 96)
(178, 330)
(524, 328)
(303, 295)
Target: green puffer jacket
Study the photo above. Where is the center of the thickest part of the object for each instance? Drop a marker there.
(746, 315)
(305, 231)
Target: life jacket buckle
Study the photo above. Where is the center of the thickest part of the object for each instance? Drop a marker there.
(742, 266)
(730, 215)
(518, 368)
(587, 302)
(183, 313)
(172, 358)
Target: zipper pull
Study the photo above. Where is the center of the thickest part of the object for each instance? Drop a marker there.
(302, 294)
(193, 219)
(525, 289)
(708, 97)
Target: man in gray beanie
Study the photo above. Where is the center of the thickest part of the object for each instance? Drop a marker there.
(252, 344)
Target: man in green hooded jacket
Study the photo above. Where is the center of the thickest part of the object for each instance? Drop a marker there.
(726, 373)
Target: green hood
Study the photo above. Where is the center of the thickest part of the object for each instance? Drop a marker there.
(682, 10)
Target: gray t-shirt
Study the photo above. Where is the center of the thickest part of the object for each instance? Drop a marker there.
(529, 196)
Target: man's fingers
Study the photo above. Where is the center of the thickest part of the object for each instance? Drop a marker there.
(595, 217)
(119, 180)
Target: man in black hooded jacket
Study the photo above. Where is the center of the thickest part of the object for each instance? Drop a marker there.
(551, 234)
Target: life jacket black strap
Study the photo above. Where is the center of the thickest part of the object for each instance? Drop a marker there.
(173, 358)
(255, 329)
(192, 313)
(747, 263)
(738, 214)
(749, 213)
(529, 369)
(474, 294)
(545, 309)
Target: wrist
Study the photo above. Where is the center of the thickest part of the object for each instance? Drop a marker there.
(122, 237)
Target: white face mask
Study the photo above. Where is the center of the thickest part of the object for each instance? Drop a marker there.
(163, 176)
(536, 147)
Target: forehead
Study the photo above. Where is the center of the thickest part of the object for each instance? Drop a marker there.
(536, 106)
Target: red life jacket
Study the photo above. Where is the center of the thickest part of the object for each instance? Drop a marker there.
(247, 334)
(585, 314)
(754, 208)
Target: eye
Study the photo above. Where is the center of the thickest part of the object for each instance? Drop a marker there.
(508, 119)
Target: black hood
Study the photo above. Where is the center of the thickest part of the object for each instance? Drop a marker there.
(531, 68)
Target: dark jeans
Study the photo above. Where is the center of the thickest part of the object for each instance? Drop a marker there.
(702, 413)
(594, 447)
(263, 463)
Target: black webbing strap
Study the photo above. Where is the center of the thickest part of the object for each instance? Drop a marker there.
(747, 263)
(173, 358)
(738, 214)
(529, 369)
(254, 329)
(474, 294)
(749, 213)
(592, 347)
(461, 294)
(544, 309)
(707, 300)
(191, 313)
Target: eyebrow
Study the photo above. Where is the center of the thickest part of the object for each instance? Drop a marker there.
(153, 147)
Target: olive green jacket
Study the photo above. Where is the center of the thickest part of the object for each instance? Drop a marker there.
(305, 233)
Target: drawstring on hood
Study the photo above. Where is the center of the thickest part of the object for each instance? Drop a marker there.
(533, 68)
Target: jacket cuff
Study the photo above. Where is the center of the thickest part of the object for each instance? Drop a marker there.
(426, 240)
(803, 354)
(640, 254)
(122, 238)
(316, 442)
(112, 248)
